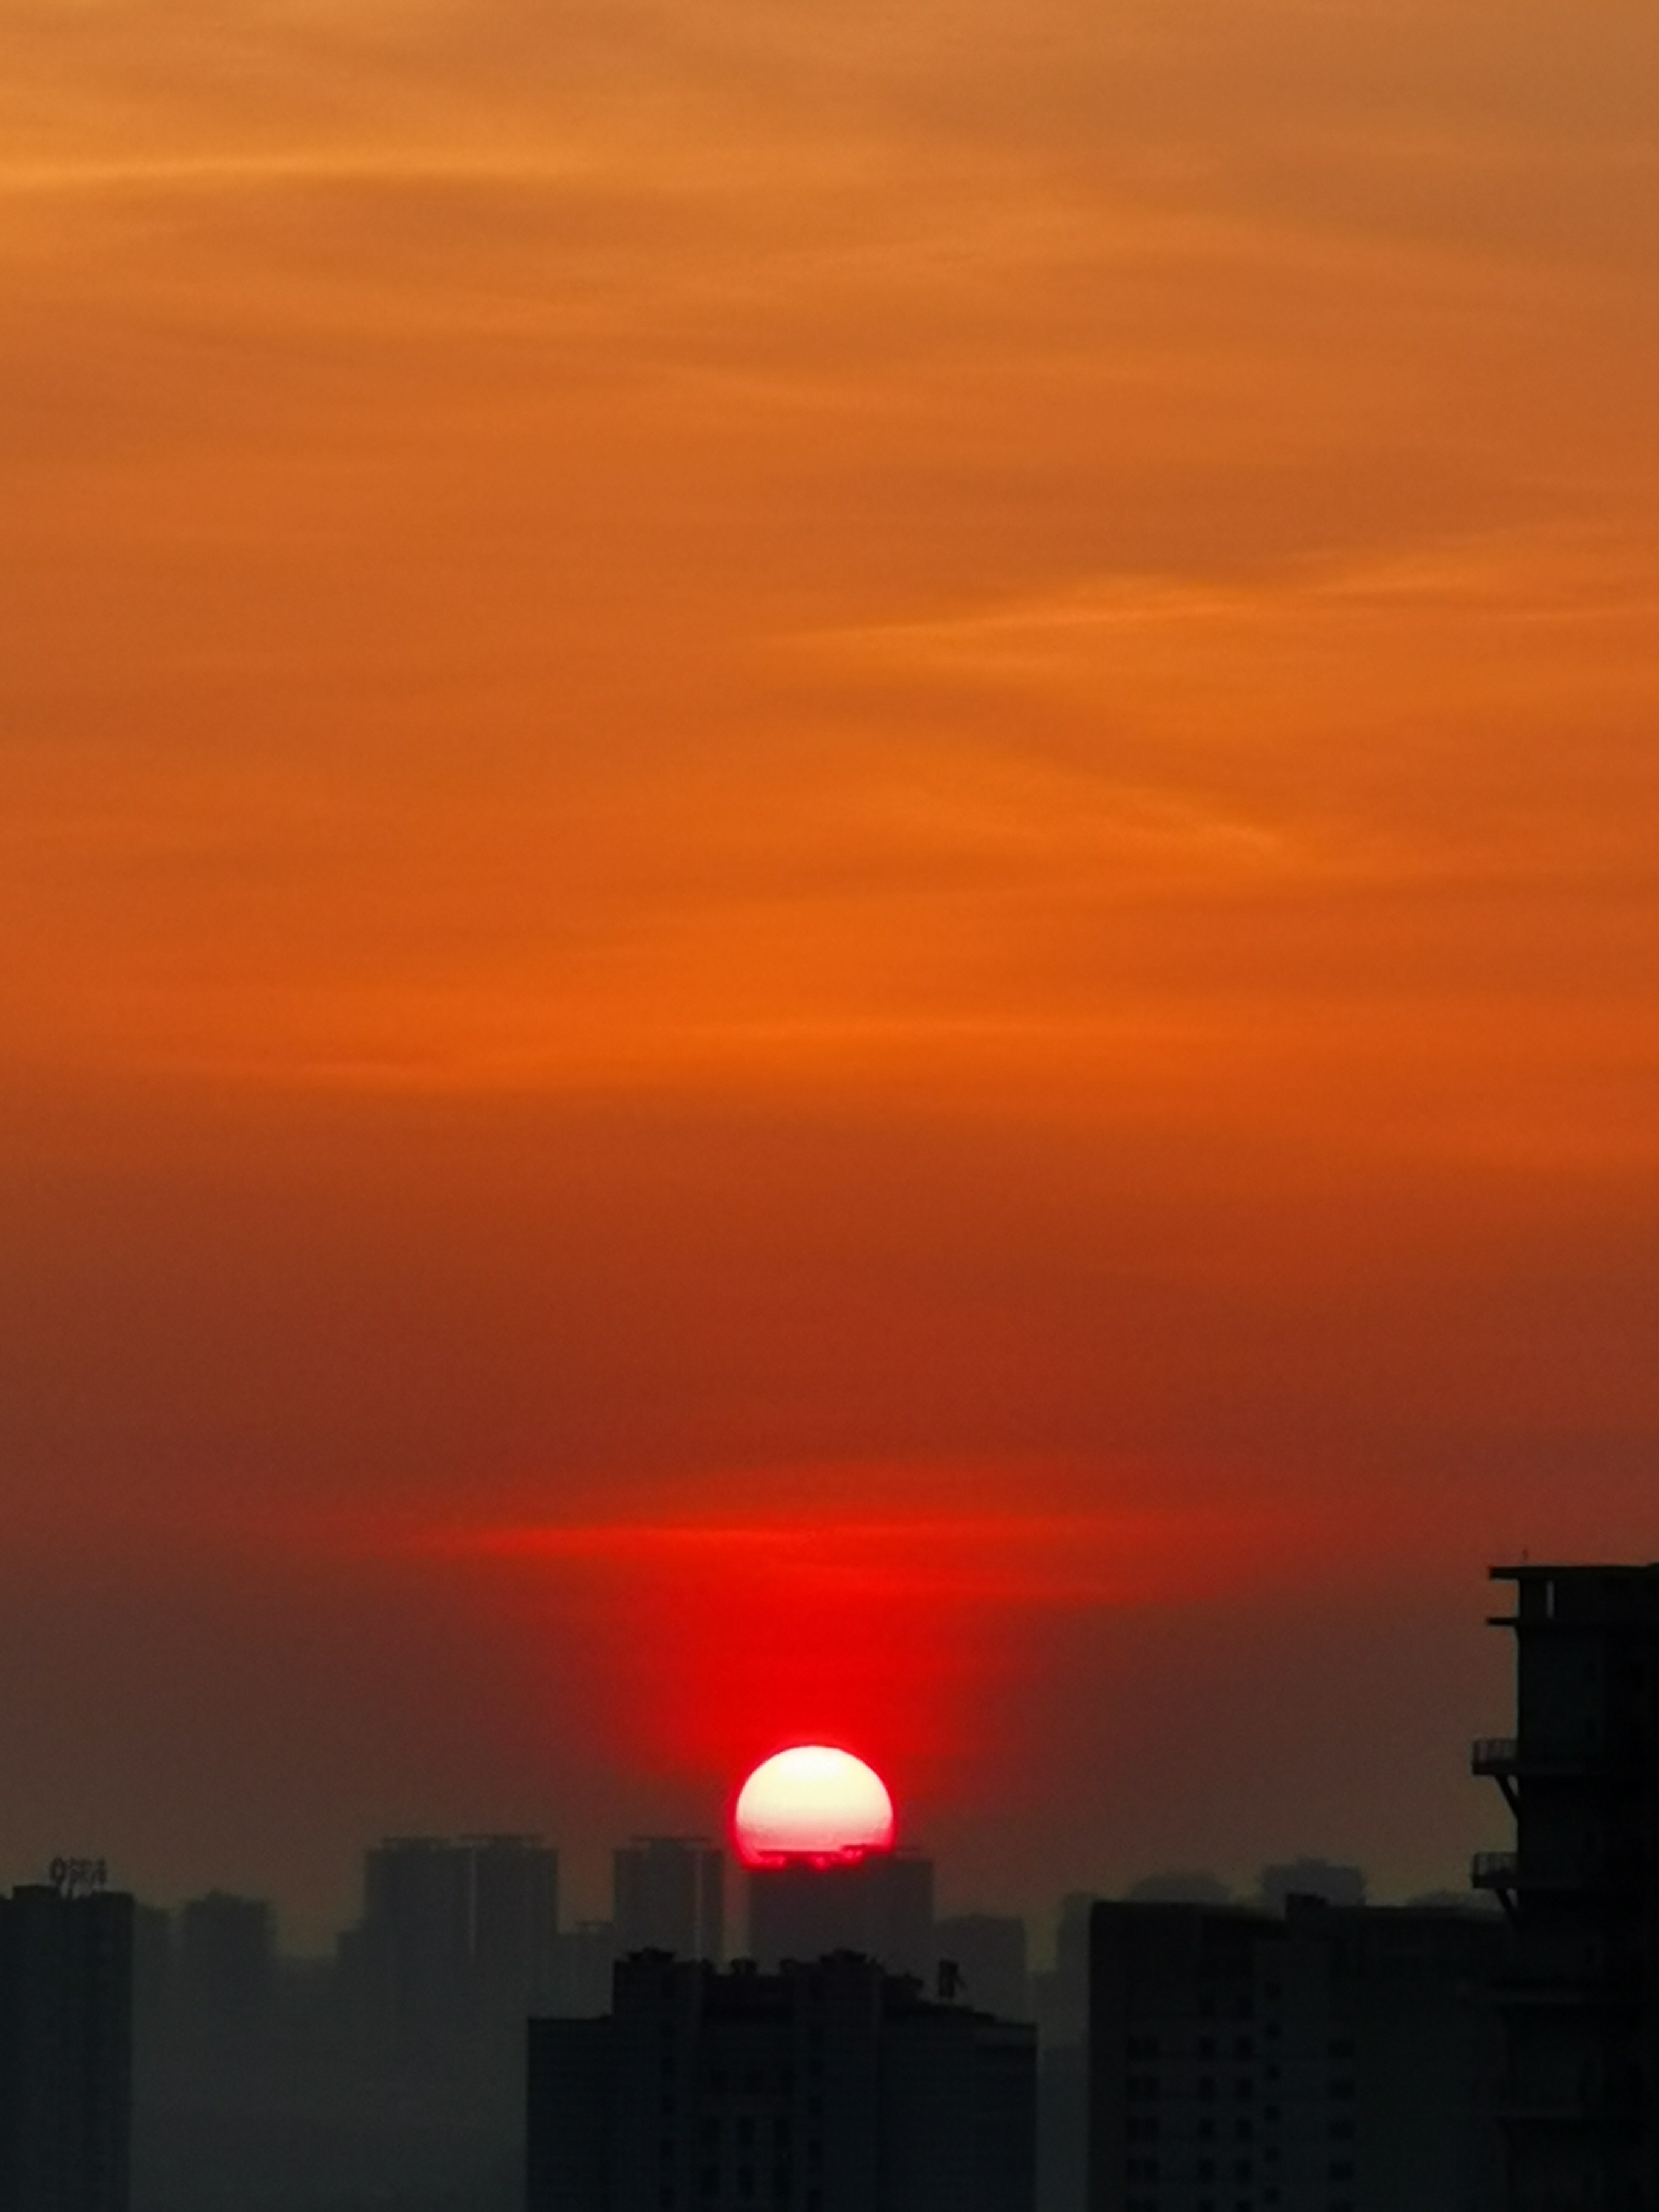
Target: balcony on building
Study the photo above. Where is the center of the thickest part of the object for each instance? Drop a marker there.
(1503, 1870)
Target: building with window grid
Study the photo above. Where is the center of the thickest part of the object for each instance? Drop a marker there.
(1334, 2059)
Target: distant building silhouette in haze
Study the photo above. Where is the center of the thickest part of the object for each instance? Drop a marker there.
(669, 1894)
(515, 1918)
(223, 1982)
(880, 1906)
(582, 1959)
(65, 2051)
(1581, 1776)
(827, 2087)
(455, 1948)
(1334, 2059)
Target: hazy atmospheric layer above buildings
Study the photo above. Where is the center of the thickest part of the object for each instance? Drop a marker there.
(829, 911)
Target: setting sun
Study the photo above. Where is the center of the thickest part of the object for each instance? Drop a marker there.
(812, 1803)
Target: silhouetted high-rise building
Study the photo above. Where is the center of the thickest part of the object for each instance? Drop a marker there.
(1581, 1775)
(670, 1895)
(880, 1906)
(830, 2088)
(1336, 2059)
(65, 2051)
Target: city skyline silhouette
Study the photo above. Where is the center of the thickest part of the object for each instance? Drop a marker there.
(827, 918)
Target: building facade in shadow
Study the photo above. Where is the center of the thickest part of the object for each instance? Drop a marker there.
(1581, 1887)
(1329, 2059)
(65, 2050)
(825, 2088)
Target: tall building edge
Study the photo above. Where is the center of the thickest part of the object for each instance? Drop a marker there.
(1579, 2102)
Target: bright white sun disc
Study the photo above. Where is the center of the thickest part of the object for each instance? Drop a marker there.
(815, 1804)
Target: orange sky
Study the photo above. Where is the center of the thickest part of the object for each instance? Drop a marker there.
(822, 815)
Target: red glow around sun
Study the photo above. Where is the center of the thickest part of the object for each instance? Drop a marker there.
(813, 1803)
(695, 1643)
